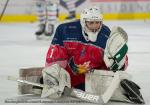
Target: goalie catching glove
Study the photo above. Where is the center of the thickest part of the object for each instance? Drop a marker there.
(55, 80)
(116, 49)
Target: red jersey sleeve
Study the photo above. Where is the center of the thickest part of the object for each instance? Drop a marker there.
(57, 53)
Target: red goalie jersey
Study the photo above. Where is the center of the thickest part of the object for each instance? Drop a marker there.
(71, 50)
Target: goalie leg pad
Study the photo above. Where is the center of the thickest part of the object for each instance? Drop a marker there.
(98, 81)
(132, 91)
(55, 79)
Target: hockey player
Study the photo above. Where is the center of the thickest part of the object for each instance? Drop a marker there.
(47, 17)
(71, 8)
(79, 46)
(85, 45)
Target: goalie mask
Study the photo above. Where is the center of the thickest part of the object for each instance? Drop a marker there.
(91, 22)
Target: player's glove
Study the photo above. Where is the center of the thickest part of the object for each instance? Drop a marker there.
(116, 49)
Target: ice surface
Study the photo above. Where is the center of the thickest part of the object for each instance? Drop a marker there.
(19, 48)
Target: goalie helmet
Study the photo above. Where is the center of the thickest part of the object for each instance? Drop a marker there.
(91, 14)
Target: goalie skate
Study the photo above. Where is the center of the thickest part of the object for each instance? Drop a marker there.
(132, 91)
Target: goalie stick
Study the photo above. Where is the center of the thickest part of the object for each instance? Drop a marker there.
(67, 91)
(85, 96)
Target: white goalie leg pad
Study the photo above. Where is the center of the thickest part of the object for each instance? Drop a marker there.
(55, 79)
(98, 81)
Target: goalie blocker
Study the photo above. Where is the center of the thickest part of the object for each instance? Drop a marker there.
(97, 82)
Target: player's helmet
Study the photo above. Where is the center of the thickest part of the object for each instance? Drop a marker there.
(90, 14)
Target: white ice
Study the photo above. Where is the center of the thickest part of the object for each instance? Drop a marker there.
(20, 49)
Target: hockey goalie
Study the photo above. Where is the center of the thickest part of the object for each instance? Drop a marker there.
(86, 55)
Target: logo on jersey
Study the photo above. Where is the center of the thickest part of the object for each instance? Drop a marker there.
(81, 68)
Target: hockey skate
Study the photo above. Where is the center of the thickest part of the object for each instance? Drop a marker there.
(40, 31)
(132, 91)
(49, 29)
(71, 16)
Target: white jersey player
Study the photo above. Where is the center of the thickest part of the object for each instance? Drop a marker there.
(71, 8)
(47, 17)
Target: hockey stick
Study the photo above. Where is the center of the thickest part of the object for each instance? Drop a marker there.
(67, 92)
(4, 10)
(24, 81)
(112, 87)
(82, 94)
